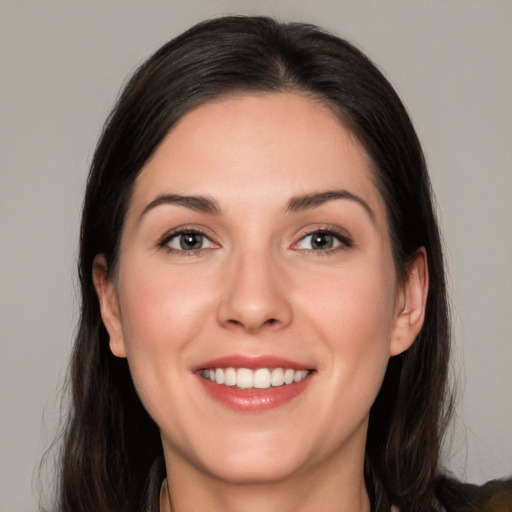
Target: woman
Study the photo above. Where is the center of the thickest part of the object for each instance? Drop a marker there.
(264, 319)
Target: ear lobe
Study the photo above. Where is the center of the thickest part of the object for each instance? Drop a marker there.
(109, 306)
(411, 305)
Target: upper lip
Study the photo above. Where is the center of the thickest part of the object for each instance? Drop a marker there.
(251, 362)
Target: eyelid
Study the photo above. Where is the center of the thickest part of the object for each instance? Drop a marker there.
(181, 230)
(342, 236)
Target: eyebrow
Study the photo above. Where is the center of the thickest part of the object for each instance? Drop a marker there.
(196, 203)
(316, 199)
(296, 204)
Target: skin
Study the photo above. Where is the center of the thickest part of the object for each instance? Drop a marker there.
(258, 286)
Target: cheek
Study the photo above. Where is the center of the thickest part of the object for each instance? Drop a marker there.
(359, 301)
(353, 313)
(162, 313)
(348, 314)
(161, 307)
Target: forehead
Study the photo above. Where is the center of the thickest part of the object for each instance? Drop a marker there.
(252, 149)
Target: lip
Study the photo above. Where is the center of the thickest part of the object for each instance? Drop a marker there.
(251, 362)
(254, 400)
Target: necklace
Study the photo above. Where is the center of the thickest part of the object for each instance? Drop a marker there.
(165, 497)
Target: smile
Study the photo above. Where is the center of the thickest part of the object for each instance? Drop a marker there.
(254, 384)
(250, 379)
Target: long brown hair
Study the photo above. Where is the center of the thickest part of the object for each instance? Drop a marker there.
(110, 441)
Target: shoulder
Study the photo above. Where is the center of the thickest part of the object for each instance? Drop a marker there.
(456, 496)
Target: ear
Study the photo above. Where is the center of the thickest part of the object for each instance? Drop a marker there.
(411, 303)
(109, 307)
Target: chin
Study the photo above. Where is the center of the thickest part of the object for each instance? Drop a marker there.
(264, 470)
(255, 459)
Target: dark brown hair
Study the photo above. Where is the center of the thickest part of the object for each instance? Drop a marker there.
(110, 441)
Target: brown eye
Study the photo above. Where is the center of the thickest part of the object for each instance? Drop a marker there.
(320, 241)
(191, 241)
(188, 241)
(323, 240)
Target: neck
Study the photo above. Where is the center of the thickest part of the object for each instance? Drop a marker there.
(330, 489)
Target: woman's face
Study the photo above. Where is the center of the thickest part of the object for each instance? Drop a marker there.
(256, 248)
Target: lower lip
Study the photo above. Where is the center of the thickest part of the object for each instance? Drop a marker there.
(254, 400)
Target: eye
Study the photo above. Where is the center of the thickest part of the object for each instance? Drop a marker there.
(323, 240)
(187, 241)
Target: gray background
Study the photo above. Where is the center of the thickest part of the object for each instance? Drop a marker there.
(61, 66)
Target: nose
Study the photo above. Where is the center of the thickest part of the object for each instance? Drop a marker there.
(254, 296)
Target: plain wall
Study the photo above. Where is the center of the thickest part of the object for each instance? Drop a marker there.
(61, 66)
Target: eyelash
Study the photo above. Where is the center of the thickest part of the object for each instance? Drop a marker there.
(163, 244)
(345, 241)
(341, 236)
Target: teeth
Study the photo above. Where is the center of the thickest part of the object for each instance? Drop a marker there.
(219, 376)
(244, 378)
(229, 376)
(262, 378)
(277, 377)
(289, 375)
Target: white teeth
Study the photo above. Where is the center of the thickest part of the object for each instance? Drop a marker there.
(219, 376)
(289, 375)
(277, 377)
(261, 378)
(229, 376)
(300, 375)
(244, 378)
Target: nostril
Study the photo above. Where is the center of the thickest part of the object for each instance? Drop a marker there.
(270, 322)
